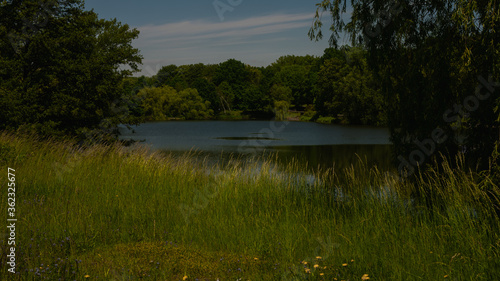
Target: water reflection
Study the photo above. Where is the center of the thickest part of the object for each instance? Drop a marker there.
(336, 156)
(313, 146)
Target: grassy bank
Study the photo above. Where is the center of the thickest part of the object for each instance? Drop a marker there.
(113, 213)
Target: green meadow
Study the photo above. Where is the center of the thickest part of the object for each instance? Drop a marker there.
(108, 212)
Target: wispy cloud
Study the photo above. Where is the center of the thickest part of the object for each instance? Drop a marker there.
(195, 30)
(260, 40)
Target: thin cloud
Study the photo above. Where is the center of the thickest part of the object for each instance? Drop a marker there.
(257, 40)
(203, 30)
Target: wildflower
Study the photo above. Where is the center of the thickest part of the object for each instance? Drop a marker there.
(365, 277)
(321, 274)
(316, 266)
(184, 278)
(87, 276)
(256, 259)
(352, 260)
(304, 262)
(308, 270)
(324, 267)
(446, 276)
(344, 264)
(318, 257)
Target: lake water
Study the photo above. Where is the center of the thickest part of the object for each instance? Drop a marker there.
(312, 144)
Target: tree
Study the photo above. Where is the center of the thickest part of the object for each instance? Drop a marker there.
(61, 68)
(296, 77)
(208, 92)
(190, 106)
(282, 98)
(154, 102)
(281, 93)
(346, 87)
(162, 103)
(166, 75)
(438, 63)
(237, 76)
(226, 95)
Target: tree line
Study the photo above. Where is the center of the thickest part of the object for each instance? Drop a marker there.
(336, 87)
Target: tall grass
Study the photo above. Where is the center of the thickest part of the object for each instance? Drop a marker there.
(115, 213)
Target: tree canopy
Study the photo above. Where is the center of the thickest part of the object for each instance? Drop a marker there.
(60, 68)
(439, 67)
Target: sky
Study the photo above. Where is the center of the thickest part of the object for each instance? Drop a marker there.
(256, 32)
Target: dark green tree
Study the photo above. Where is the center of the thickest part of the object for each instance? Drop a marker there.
(60, 68)
(166, 76)
(438, 63)
(296, 77)
(208, 91)
(347, 88)
(225, 94)
(237, 75)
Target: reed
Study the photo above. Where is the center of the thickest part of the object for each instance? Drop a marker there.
(108, 212)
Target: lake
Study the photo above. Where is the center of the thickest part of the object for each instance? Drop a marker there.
(313, 145)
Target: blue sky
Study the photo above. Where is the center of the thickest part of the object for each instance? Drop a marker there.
(181, 32)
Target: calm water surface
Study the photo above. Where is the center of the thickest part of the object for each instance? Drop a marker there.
(312, 144)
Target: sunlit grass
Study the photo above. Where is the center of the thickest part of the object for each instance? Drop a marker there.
(113, 213)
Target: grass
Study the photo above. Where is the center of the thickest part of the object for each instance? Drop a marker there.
(115, 213)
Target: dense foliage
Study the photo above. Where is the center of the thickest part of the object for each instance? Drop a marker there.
(162, 103)
(60, 70)
(338, 84)
(439, 65)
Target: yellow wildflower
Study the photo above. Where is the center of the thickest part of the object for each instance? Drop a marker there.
(316, 266)
(308, 270)
(184, 278)
(318, 257)
(321, 274)
(87, 276)
(344, 264)
(365, 277)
